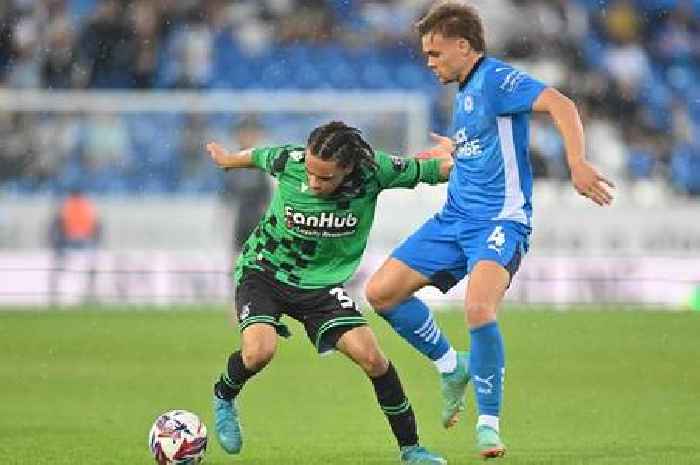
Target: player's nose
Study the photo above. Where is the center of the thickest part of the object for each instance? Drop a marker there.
(314, 185)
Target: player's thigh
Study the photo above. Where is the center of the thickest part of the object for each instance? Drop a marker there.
(432, 255)
(259, 308)
(494, 251)
(488, 282)
(361, 346)
(393, 283)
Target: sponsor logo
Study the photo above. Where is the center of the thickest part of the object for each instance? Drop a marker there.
(465, 147)
(511, 81)
(325, 224)
(429, 331)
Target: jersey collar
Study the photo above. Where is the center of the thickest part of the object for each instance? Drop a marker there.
(464, 83)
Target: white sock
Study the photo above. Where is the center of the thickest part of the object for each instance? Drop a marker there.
(448, 362)
(488, 420)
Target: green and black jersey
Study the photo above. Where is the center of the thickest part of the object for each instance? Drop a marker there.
(312, 242)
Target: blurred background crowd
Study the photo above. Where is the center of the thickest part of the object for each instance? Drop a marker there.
(633, 67)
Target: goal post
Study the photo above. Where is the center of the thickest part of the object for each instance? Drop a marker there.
(410, 109)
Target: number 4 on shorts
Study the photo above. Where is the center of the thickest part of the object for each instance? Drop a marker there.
(497, 239)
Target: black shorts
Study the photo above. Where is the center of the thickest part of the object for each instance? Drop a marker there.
(326, 313)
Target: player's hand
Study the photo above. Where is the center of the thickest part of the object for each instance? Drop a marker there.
(590, 183)
(443, 148)
(218, 154)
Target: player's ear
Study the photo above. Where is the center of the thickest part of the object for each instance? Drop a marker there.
(464, 46)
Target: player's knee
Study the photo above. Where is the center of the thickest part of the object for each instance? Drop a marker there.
(377, 295)
(258, 354)
(479, 313)
(374, 363)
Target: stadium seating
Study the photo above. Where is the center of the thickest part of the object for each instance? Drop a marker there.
(669, 91)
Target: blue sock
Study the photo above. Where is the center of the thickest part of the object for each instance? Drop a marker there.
(487, 367)
(415, 323)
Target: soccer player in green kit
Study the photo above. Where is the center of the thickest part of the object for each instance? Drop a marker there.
(308, 243)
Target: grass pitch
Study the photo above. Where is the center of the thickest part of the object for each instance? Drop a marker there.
(589, 388)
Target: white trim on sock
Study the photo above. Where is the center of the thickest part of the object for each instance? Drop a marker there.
(488, 420)
(448, 362)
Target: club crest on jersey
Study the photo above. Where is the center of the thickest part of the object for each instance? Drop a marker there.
(468, 103)
(324, 224)
(297, 155)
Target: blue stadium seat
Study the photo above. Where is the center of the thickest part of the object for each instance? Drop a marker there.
(342, 75)
(641, 164)
(276, 72)
(685, 168)
(410, 76)
(80, 9)
(307, 76)
(232, 68)
(336, 67)
(374, 74)
(656, 6)
(593, 48)
(681, 78)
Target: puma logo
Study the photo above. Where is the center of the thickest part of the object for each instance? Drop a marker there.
(485, 385)
(487, 381)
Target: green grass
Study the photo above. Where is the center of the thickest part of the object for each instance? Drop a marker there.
(589, 388)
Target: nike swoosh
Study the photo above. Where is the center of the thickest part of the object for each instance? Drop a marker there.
(501, 69)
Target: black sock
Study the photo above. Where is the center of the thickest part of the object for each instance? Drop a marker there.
(232, 380)
(396, 407)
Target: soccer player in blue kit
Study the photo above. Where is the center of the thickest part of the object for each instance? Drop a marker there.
(484, 226)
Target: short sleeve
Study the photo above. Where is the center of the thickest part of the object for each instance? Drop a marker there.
(273, 159)
(396, 172)
(514, 91)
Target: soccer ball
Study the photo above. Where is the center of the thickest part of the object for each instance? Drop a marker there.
(178, 437)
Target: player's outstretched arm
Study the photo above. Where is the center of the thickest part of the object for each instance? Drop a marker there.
(586, 178)
(443, 150)
(227, 160)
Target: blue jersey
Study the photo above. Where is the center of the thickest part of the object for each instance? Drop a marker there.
(492, 176)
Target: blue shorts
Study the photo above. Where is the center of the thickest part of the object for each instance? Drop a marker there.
(446, 251)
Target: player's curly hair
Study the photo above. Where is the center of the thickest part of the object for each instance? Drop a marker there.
(342, 143)
(453, 19)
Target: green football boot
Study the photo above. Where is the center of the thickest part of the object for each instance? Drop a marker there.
(417, 455)
(228, 426)
(489, 442)
(453, 386)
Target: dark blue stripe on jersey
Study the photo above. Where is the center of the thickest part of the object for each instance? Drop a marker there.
(471, 72)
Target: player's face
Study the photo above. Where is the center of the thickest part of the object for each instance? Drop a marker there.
(324, 175)
(447, 57)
